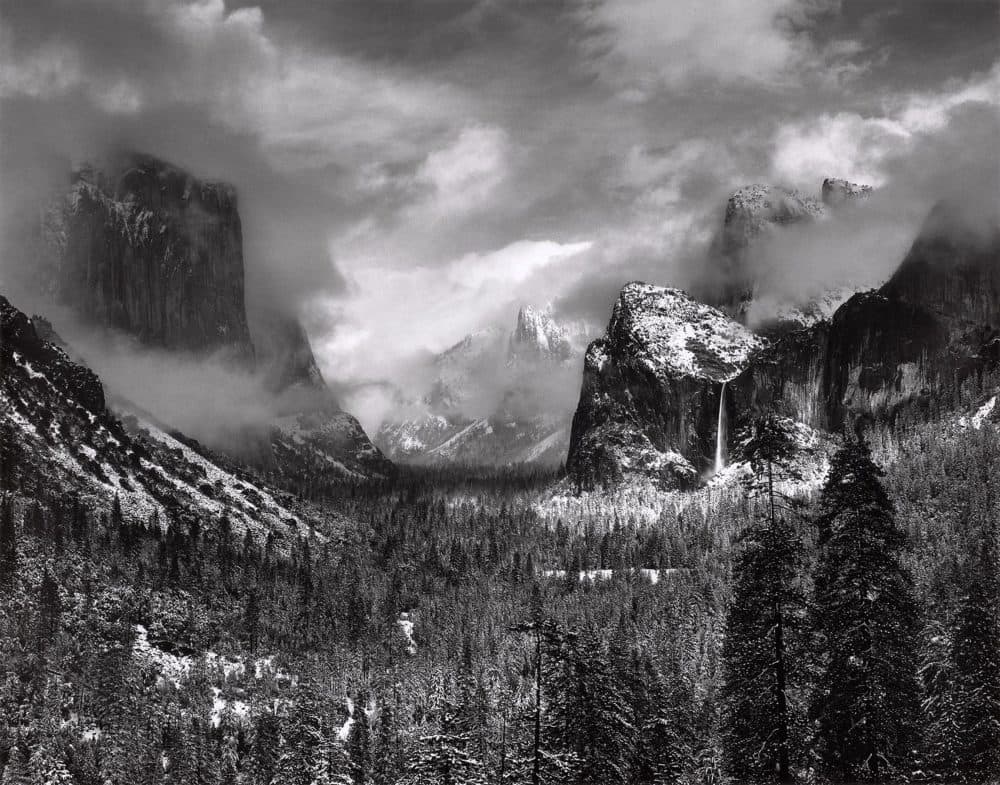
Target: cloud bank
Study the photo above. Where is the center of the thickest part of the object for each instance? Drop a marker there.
(411, 171)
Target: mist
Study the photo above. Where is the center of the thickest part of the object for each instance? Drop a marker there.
(399, 184)
(211, 398)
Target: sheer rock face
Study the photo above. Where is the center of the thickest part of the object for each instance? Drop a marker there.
(649, 404)
(147, 248)
(284, 355)
(928, 337)
(927, 340)
(151, 250)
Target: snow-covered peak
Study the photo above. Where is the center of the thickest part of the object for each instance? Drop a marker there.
(672, 333)
(537, 336)
(752, 206)
(836, 192)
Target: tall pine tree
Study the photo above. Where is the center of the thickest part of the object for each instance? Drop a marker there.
(764, 624)
(975, 653)
(865, 619)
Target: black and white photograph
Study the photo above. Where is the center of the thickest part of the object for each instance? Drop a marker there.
(499, 392)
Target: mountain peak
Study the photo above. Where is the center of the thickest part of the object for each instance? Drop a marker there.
(537, 336)
(836, 192)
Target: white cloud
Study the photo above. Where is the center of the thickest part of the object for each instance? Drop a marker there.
(390, 316)
(466, 172)
(308, 108)
(862, 148)
(656, 44)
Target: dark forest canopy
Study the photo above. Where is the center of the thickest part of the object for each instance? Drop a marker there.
(448, 637)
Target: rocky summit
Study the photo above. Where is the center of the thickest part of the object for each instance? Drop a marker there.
(651, 388)
(736, 276)
(147, 248)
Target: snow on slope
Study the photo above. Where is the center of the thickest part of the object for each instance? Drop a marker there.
(675, 335)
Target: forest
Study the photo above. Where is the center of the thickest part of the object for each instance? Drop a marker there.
(453, 633)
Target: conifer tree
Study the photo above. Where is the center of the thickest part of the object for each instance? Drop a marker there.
(264, 748)
(764, 623)
(8, 541)
(864, 615)
(359, 742)
(975, 652)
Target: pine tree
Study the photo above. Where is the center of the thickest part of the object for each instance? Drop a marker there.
(264, 748)
(975, 652)
(301, 739)
(764, 623)
(49, 608)
(866, 700)
(598, 721)
(546, 758)
(444, 758)
(8, 541)
(767, 604)
(359, 742)
(388, 759)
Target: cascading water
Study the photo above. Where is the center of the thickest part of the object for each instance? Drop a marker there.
(720, 432)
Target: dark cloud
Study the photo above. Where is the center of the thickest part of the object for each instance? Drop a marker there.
(409, 171)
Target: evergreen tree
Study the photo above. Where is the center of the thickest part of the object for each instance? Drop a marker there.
(764, 622)
(265, 748)
(866, 700)
(8, 541)
(359, 742)
(301, 741)
(443, 758)
(975, 652)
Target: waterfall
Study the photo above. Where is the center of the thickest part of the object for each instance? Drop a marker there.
(720, 432)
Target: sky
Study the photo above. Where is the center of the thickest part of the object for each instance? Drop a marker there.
(411, 171)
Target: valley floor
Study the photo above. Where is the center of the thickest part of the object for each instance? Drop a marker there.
(462, 629)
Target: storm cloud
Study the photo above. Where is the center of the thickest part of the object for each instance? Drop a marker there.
(409, 172)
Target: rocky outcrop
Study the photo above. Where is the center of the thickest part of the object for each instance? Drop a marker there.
(650, 400)
(927, 341)
(836, 192)
(147, 248)
(730, 279)
(23, 351)
(537, 337)
(738, 278)
(283, 353)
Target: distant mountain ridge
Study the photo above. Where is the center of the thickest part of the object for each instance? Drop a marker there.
(487, 404)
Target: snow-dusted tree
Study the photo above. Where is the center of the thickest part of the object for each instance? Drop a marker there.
(765, 621)
(864, 615)
(661, 712)
(264, 748)
(444, 758)
(301, 738)
(975, 652)
(359, 742)
(8, 540)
